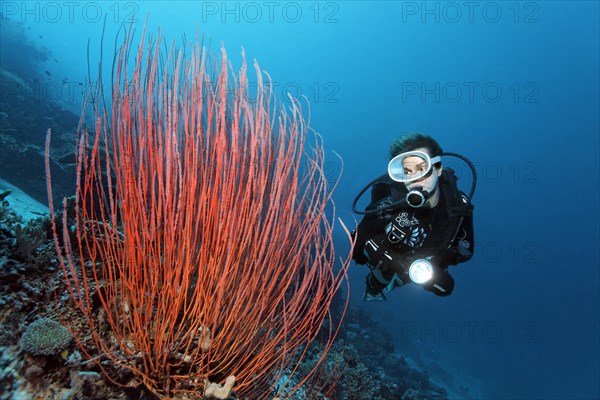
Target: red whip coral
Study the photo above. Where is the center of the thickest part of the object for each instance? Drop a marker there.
(203, 225)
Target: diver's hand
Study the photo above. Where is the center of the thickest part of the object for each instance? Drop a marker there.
(360, 258)
(359, 255)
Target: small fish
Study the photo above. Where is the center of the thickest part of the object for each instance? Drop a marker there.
(41, 37)
(48, 73)
(4, 194)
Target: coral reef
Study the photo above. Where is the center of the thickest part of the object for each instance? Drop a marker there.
(38, 359)
(367, 366)
(362, 364)
(29, 238)
(45, 337)
(26, 113)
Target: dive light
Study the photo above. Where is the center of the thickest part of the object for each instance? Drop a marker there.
(420, 271)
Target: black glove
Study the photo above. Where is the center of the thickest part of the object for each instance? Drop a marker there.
(360, 258)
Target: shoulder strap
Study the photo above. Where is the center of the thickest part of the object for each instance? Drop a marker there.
(457, 202)
(458, 205)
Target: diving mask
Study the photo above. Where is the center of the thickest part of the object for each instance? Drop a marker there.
(411, 166)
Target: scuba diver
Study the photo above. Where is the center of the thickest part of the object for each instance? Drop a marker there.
(417, 224)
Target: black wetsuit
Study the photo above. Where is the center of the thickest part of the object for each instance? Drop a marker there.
(444, 233)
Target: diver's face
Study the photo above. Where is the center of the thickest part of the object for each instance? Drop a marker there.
(415, 164)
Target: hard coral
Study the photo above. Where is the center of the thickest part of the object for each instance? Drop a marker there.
(45, 337)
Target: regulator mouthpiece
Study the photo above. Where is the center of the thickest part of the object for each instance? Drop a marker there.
(416, 197)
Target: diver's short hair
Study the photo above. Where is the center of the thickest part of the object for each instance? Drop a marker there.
(414, 140)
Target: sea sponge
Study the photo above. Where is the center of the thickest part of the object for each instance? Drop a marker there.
(45, 337)
(217, 391)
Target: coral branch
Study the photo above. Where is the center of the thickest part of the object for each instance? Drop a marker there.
(204, 228)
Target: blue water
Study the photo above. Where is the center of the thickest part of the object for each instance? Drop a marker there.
(512, 85)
